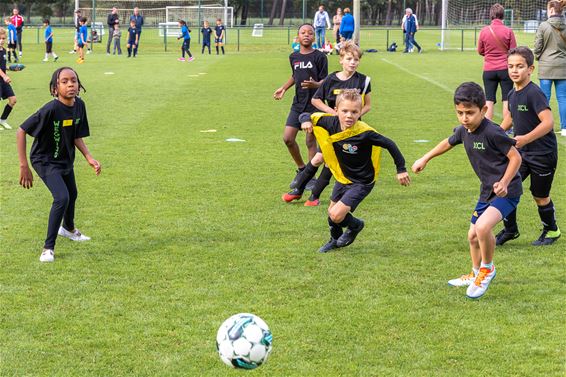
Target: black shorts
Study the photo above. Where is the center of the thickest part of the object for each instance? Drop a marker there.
(218, 41)
(5, 90)
(541, 168)
(48, 47)
(491, 79)
(80, 45)
(186, 44)
(293, 119)
(352, 194)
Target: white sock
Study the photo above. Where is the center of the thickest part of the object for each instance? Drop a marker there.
(487, 265)
(476, 271)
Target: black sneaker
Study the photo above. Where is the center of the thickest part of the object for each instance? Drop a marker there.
(311, 184)
(328, 246)
(504, 236)
(294, 181)
(349, 235)
(547, 237)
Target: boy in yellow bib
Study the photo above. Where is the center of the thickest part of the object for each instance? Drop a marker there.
(351, 149)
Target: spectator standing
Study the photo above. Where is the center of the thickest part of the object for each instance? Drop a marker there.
(494, 42)
(138, 19)
(347, 26)
(112, 20)
(550, 51)
(336, 20)
(18, 21)
(321, 20)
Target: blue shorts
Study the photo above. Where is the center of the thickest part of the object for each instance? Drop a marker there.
(504, 205)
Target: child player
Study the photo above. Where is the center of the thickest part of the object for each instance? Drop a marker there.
(206, 32)
(309, 68)
(82, 40)
(6, 91)
(185, 34)
(219, 31)
(12, 40)
(351, 149)
(58, 128)
(533, 125)
(496, 162)
(133, 39)
(49, 42)
(333, 85)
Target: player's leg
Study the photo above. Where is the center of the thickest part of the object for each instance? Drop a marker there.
(475, 256)
(560, 87)
(486, 240)
(6, 92)
(68, 229)
(341, 213)
(60, 194)
(290, 140)
(129, 47)
(542, 176)
(222, 47)
(510, 230)
(321, 183)
(189, 50)
(216, 45)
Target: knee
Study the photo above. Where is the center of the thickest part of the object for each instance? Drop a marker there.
(289, 141)
(482, 231)
(472, 237)
(61, 200)
(336, 216)
(317, 160)
(12, 101)
(541, 202)
(311, 142)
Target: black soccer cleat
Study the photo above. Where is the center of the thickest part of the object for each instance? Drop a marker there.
(547, 237)
(349, 235)
(330, 245)
(505, 236)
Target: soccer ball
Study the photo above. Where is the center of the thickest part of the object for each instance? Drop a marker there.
(244, 341)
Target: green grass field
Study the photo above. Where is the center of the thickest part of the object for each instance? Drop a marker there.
(188, 229)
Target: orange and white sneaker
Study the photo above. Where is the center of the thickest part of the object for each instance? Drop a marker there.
(463, 281)
(481, 282)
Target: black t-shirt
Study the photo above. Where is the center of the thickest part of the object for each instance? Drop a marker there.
(132, 32)
(206, 31)
(55, 127)
(487, 149)
(306, 66)
(525, 105)
(354, 153)
(219, 29)
(3, 60)
(332, 86)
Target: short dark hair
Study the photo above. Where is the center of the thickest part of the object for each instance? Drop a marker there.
(46, 21)
(83, 19)
(469, 93)
(497, 11)
(525, 52)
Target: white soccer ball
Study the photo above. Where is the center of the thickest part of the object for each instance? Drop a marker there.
(244, 341)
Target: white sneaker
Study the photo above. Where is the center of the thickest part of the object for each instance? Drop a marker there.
(563, 132)
(47, 255)
(76, 235)
(481, 283)
(5, 124)
(45, 60)
(72, 52)
(88, 52)
(463, 281)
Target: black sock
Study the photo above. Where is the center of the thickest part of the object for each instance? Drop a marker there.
(350, 222)
(335, 229)
(222, 50)
(322, 181)
(129, 51)
(307, 173)
(202, 52)
(190, 55)
(511, 222)
(546, 214)
(135, 51)
(6, 112)
(216, 50)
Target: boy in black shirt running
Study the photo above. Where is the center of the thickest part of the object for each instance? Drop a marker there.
(351, 149)
(309, 67)
(533, 125)
(6, 91)
(496, 162)
(58, 128)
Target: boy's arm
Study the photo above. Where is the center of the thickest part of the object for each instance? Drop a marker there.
(441, 148)
(26, 177)
(500, 188)
(319, 104)
(399, 160)
(81, 146)
(545, 126)
(507, 122)
(367, 104)
(280, 92)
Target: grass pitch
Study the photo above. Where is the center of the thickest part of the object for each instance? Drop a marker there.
(188, 229)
